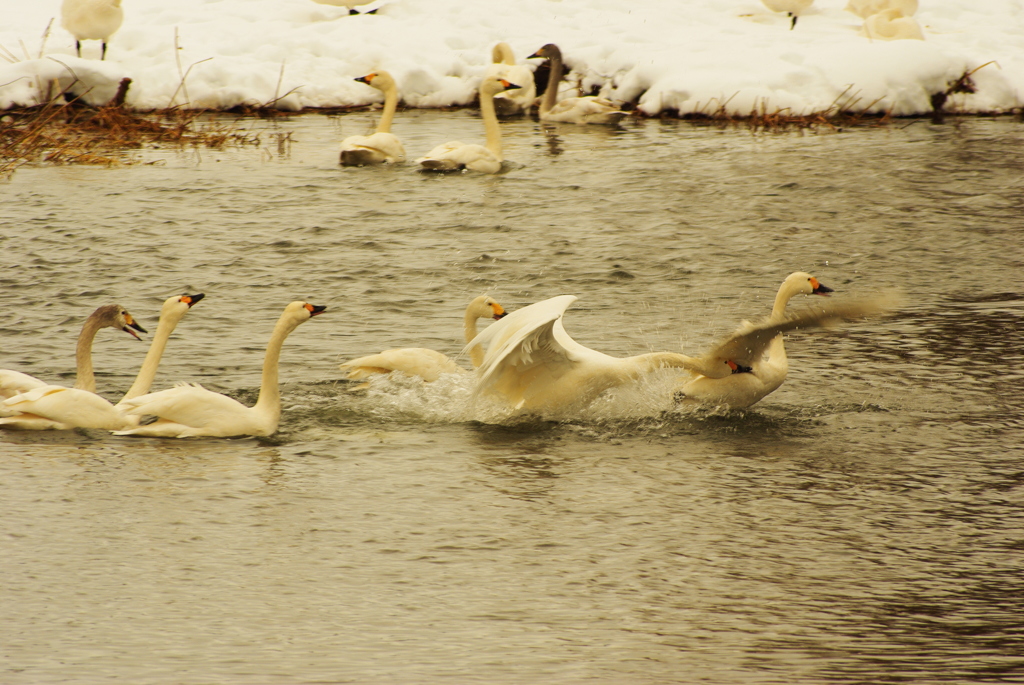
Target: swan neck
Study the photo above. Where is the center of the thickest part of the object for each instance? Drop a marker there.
(85, 378)
(152, 361)
(491, 126)
(269, 401)
(551, 90)
(390, 105)
(476, 353)
(782, 298)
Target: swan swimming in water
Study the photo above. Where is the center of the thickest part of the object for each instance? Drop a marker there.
(108, 316)
(580, 110)
(532, 364)
(519, 100)
(382, 147)
(193, 411)
(487, 158)
(755, 353)
(91, 20)
(423, 362)
(60, 408)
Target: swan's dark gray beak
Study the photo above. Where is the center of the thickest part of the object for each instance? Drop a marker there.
(314, 309)
(820, 289)
(132, 324)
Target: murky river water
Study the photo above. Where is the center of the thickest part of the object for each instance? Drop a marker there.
(864, 523)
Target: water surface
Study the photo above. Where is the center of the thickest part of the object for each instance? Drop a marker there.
(861, 524)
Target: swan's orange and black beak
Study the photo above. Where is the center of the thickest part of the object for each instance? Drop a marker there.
(367, 79)
(508, 84)
(192, 299)
(131, 323)
(736, 368)
(314, 309)
(818, 289)
(499, 311)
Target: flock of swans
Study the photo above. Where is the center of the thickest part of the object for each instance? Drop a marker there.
(525, 360)
(499, 95)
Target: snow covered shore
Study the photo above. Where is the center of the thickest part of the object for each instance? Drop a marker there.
(667, 55)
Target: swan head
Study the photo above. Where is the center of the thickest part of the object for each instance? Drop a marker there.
(801, 282)
(549, 51)
(485, 307)
(381, 80)
(175, 307)
(116, 316)
(300, 311)
(494, 85)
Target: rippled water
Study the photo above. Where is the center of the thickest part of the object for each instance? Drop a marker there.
(864, 523)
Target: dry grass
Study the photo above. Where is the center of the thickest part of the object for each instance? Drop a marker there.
(62, 132)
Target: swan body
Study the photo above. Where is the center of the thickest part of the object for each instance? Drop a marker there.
(382, 147)
(579, 110)
(59, 407)
(533, 365)
(890, 24)
(193, 411)
(91, 20)
(14, 383)
(513, 102)
(793, 8)
(420, 361)
(456, 155)
(865, 8)
(751, 363)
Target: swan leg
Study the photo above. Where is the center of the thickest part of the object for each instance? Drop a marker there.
(78, 47)
(103, 51)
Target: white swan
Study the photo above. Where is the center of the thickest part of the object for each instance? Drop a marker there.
(580, 110)
(890, 24)
(533, 365)
(423, 362)
(792, 8)
(59, 408)
(382, 147)
(192, 411)
(108, 316)
(91, 20)
(513, 102)
(865, 8)
(487, 158)
(751, 362)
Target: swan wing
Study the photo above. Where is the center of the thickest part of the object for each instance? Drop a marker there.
(379, 148)
(189, 405)
(72, 407)
(456, 155)
(412, 361)
(585, 110)
(15, 383)
(748, 343)
(528, 352)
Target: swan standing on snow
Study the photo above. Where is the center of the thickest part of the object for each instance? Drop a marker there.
(108, 316)
(891, 25)
(580, 110)
(792, 8)
(193, 411)
(487, 158)
(383, 147)
(91, 20)
(751, 362)
(423, 362)
(532, 364)
(504, 66)
(865, 8)
(59, 408)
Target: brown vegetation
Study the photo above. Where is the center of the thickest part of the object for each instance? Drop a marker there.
(67, 131)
